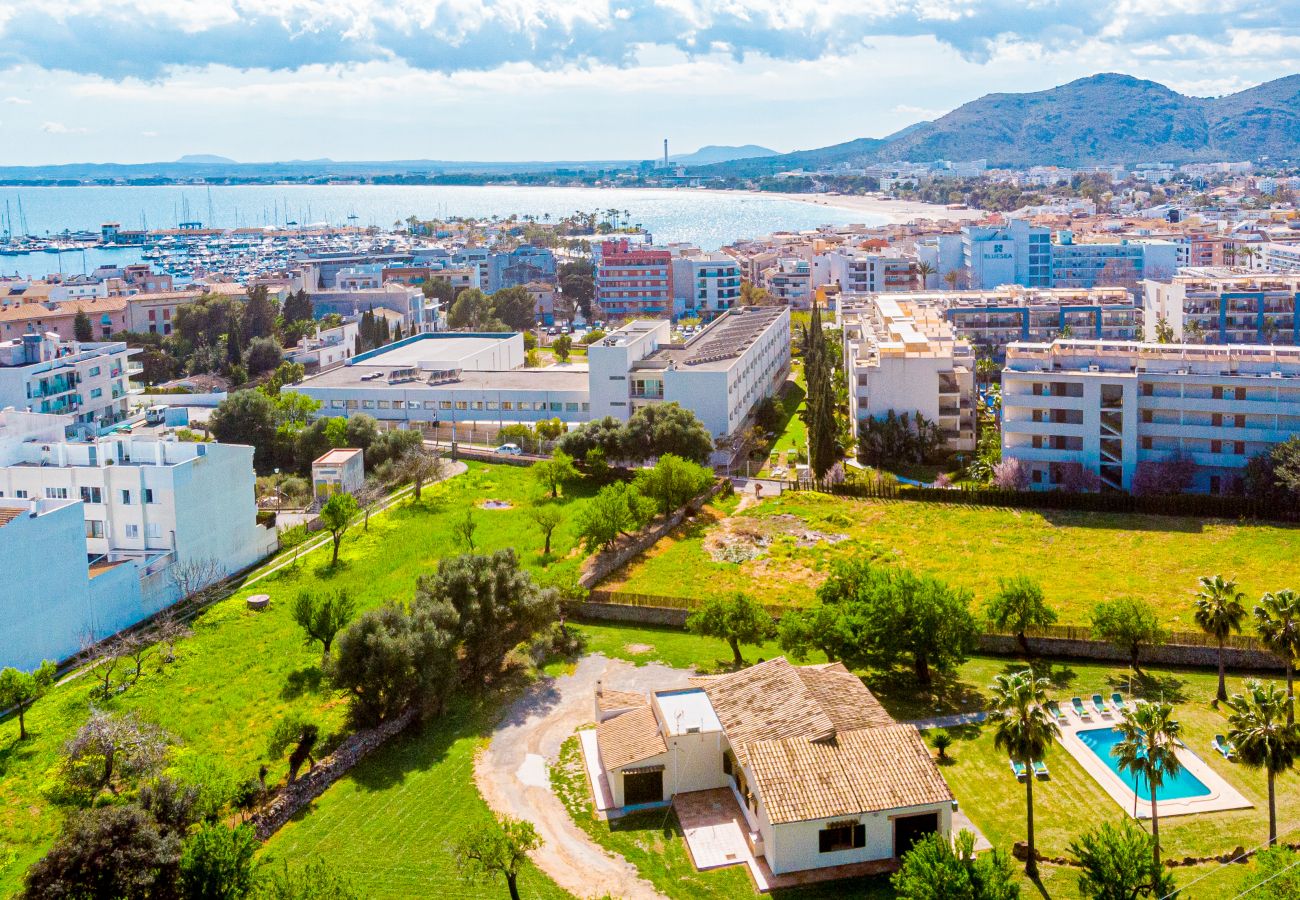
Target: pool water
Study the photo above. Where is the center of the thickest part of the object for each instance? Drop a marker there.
(1182, 786)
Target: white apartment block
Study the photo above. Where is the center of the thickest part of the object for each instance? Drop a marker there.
(791, 282)
(1111, 406)
(705, 284)
(720, 374)
(90, 382)
(327, 348)
(863, 272)
(1280, 257)
(903, 356)
(143, 504)
(1224, 306)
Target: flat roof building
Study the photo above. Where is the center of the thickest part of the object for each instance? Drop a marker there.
(1219, 305)
(1115, 408)
(902, 356)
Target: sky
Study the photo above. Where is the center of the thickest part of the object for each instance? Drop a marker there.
(258, 80)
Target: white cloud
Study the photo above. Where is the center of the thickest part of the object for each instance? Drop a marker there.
(18, 101)
(60, 128)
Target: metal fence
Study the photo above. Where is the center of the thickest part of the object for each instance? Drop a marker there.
(1057, 632)
(1188, 505)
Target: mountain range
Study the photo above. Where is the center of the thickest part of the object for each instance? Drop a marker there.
(1099, 120)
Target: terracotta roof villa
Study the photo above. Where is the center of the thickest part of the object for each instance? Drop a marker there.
(814, 772)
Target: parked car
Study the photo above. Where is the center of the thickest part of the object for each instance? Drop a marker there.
(508, 450)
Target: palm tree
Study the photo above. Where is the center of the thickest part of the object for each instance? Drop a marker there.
(1150, 736)
(924, 270)
(1023, 729)
(1218, 613)
(951, 278)
(1261, 738)
(1277, 619)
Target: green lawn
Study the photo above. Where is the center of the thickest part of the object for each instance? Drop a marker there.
(792, 434)
(652, 841)
(390, 823)
(1071, 800)
(242, 670)
(1080, 558)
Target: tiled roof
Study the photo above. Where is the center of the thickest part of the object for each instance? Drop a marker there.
(630, 737)
(609, 700)
(775, 700)
(9, 513)
(866, 770)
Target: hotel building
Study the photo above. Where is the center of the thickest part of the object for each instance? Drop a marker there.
(1225, 306)
(634, 281)
(89, 382)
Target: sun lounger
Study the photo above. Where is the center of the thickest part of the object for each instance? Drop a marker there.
(1099, 705)
(1040, 768)
(1224, 746)
(1080, 710)
(1055, 710)
(1117, 703)
(1019, 768)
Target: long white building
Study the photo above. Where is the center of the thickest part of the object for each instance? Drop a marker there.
(720, 374)
(1110, 407)
(148, 506)
(902, 356)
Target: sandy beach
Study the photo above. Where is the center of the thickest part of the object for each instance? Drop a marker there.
(895, 210)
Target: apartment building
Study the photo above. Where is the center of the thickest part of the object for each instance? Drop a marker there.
(720, 374)
(790, 281)
(144, 505)
(1281, 257)
(1110, 407)
(517, 267)
(991, 319)
(633, 281)
(865, 272)
(1085, 265)
(1216, 305)
(327, 348)
(154, 312)
(1024, 254)
(107, 317)
(704, 284)
(903, 356)
(41, 373)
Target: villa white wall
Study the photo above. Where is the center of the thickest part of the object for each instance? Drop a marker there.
(695, 763)
(616, 778)
(794, 847)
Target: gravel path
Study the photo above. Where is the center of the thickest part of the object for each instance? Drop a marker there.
(511, 773)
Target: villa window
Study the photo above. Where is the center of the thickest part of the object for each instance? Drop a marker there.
(838, 836)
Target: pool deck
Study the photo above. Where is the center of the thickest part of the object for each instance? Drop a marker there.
(1222, 795)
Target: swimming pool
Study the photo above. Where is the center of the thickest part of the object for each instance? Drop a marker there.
(1183, 786)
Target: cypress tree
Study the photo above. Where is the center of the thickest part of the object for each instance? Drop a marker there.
(823, 444)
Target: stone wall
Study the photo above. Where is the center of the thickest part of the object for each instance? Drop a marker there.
(291, 798)
(641, 615)
(600, 566)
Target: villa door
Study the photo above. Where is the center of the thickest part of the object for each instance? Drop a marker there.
(910, 829)
(643, 787)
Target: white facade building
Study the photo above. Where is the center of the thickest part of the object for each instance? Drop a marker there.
(1111, 407)
(903, 357)
(151, 504)
(864, 272)
(704, 284)
(90, 382)
(1224, 306)
(817, 773)
(720, 374)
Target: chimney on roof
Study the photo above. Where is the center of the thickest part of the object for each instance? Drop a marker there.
(600, 687)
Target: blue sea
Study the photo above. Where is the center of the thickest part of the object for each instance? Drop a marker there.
(705, 218)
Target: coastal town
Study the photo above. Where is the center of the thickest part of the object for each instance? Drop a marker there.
(647, 528)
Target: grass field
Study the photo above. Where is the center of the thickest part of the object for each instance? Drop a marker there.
(242, 670)
(390, 823)
(793, 434)
(1071, 800)
(1079, 558)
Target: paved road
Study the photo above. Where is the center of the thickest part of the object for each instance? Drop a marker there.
(511, 773)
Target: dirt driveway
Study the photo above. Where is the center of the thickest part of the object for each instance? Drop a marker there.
(512, 775)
